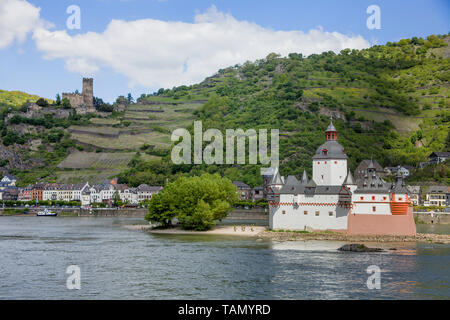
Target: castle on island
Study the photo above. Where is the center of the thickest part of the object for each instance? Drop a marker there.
(333, 200)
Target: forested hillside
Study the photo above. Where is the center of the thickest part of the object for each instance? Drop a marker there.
(391, 103)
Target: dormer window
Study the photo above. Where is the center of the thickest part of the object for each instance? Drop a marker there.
(324, 151)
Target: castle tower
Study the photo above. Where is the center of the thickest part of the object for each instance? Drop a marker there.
(88, 92)
(330, 160)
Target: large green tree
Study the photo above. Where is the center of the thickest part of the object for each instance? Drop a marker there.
(197, 202)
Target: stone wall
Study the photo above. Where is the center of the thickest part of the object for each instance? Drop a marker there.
(75, 99)
(371, 224)
(436, 218)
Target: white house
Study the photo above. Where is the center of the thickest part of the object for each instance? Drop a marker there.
(146, 192)
(9, 180)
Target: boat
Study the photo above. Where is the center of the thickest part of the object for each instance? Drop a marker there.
(46, 213)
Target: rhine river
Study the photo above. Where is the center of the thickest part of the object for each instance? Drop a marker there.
(117, 263)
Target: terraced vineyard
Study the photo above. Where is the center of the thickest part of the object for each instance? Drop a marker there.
(148, 122)
(94, 167)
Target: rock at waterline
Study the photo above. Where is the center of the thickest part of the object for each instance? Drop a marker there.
(355, 247)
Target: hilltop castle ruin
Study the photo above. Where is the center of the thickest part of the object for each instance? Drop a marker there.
(83, 103)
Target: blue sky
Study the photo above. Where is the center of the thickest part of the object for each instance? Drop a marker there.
(131, 64)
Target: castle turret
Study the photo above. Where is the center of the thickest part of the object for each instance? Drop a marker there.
(349, 182)
(330, 160)
(304, 180)
(399, 197)
(88, 92)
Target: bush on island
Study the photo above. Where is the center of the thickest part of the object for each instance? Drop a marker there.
(197, 202)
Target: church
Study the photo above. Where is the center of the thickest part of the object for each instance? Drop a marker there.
(333, 200)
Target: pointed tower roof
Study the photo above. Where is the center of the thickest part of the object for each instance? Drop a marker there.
(277, 179)
(331, 126)
(399, 185)
(349, 179)
(304, 178)
(331, 149)
(371, 165)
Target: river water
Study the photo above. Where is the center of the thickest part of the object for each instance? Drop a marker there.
(117, 263)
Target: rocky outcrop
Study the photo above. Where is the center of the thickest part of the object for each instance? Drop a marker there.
(356, 247)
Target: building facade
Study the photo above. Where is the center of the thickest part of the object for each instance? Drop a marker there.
(327, 201)
(436, 196)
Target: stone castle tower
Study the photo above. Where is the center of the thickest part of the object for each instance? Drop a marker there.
(88, 92)
(84, 102)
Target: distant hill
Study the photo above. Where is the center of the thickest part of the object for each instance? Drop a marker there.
(17, 98)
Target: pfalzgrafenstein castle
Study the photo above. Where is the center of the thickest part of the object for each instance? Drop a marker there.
(333, 200)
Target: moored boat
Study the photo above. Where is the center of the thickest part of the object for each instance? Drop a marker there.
(46, 213)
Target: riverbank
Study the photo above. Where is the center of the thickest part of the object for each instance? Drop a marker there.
(335, 236)
(247, 231)
(263, 233)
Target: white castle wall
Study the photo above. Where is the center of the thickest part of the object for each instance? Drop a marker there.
(329, 172)
(294, 217)
(381, 203)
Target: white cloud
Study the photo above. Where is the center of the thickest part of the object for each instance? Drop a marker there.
(17, 19)
(155, 53)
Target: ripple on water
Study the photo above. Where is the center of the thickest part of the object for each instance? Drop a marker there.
(121, 264)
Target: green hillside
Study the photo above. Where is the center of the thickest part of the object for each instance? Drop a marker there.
(390, 102)
(16, 98)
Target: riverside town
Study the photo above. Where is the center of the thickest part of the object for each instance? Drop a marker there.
(206, 156)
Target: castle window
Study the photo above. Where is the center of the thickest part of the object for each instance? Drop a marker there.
(374, 209)
(325, 162)
(399, 199)
(318, 162)
(362, 198)
(330, 213)
(373, 197)
(305, 212)
(335, 162)
(317, 213)
(384, 198)
(283, 212)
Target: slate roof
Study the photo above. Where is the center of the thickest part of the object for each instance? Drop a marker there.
(371, 182)
(349, 179)
(331, 149)
(241, 185)
(437, 189)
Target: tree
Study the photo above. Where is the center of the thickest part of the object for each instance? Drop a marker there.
(130, 98)
(66, 103)
(58, 99)
(447, 143)
(197, 202)
(116, 199)
(42, 102)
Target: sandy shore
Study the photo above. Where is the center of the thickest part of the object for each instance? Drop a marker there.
(262, 232)
(248, 231)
